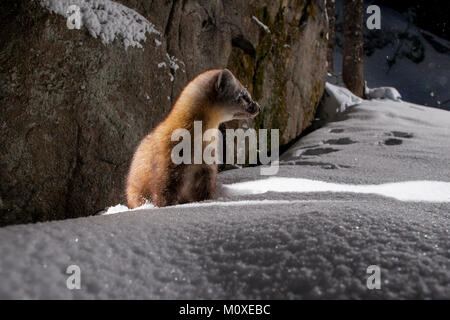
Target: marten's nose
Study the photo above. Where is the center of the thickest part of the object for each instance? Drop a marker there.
(253, 108)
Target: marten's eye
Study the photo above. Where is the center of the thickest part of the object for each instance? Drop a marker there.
(243, 98)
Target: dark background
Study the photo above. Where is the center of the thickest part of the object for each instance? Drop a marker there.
(431, 15)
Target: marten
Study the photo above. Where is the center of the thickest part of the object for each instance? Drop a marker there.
(213, 97)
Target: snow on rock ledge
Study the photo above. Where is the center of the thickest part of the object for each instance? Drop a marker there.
(382, 93)
(336, 99)
(107, 19)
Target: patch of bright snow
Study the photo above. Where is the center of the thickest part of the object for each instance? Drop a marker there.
(382, 93)
(116, 209)
(414, 191)
(122, 208)
(245, 203)
(107, 19)
(343, 97)
(173, 62)
(336, 99)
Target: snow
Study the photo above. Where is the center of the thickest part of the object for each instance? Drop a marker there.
(173, 62)
(414, 191)
(433, 191)
(382, 93)
(241, 203)
(122, 208)
(342, 96)
(107, 20)
(336, 99)
(116, 209)
(220, 203)
(262, 25)
(370, 188)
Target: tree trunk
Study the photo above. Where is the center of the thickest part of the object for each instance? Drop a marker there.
(331, 21)
(352, 69)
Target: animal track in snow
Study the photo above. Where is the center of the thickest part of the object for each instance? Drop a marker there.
(400, 134)
(318, 151)
(392, 142)
(396, 134)
(340, 141)
(323, 165)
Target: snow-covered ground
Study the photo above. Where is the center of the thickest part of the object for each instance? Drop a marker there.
(401, 55)
(340, 203)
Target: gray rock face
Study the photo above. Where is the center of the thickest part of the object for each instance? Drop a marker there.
(73, 109)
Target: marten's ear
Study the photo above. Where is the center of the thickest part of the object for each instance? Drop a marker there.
(224, 80)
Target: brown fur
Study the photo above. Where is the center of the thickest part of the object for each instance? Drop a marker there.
(210, 98)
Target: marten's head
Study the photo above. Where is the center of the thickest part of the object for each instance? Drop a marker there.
(233, 98)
